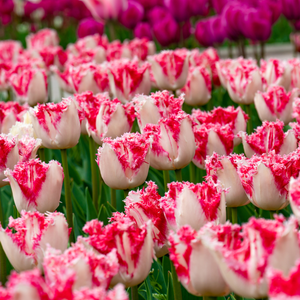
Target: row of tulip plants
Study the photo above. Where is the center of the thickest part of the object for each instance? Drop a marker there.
(151, 182)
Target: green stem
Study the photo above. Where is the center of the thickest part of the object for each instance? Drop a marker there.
(94, 173)
(42, 154)
(234, 215)
(248, 112)
(111, 29)
(238, 297)
(113, 199)
(210, 104)
(262, 50)
(229, 214)
(209, 298)
(166, 179)
(178, 175)
(126, 193)
(176, 284)
(2, 253)
(192, 173)
(67, 192)
(272, 213)
(134, 293)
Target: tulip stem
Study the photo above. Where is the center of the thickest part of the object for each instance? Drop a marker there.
(2, 253)
(94, 173)
(126, 193)
(272, 213)
(262, 50)
(178, 175)
(134, 293)
(248, 112)
(113, 199)
(67, 192)
(111, 29)
(166, 179)
(192, 173)
(234, 215)
(42, 154)
(209, 298)
(176, 284)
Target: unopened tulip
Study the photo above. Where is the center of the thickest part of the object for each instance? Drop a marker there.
(36, 185)
(89, 26)
(25, 239)
(170, 69)
(143, 30)
(150, 109)
(43, 38)
(275, 72)
(193, 204)
(132, 15)
(197, 89)
(124, 162)
(134, 247)
(143, 206)
(57, 125)
(212, 138)
(127, 78)
(275, 104)
(195, 265)
(173, 142)
(224, 169)
(269, 137)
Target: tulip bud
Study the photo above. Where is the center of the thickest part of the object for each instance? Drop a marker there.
(173, 142)
(193, 204)
(275, 104)
(36, 185)
(25, 239)
(143, 206)
(195, 265)
(132, 15)
(130, 158)
(150, 109)
(57, 125)
(224, 169)
(134, 248)
(143, 30)
(170, 69)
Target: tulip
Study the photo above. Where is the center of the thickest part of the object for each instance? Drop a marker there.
(296, 109)
(173, 142)
(36, 185)
(294, 197)
(223, 67)
(10, 50)
(134, 248)
(25, 239)
(275, 72)
(53, 56)
(195, 265)
(212, 138)
(114, 51)
(4, 78)
(143, 206)
(295, 73)
(127, 78)
(64, 79)
(133, 14)
(197, 89)
(170, 69)
(88, 27)
(43, 38)
(275, 104)
(92, 269)
(295, 40)
(269, 137)
(150, 109)
(265, 179)
(243, 254)
(290, 9)
(193, 204)
(139, 48)
(57, 125)
(130, 158)
(143, 30)
(30, 86)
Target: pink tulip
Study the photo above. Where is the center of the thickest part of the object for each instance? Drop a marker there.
(296, 109)
(197, 89)
(25, 239)
(139, 48)
(114, 51)
(269, 137)
(150, 109)
(294, 196)
(127, 78)
(275, 104)
(10, 50)
(134, 247)
(43, 38)
(224, 169)
(193, 204)
(212, 138)
(36, 185)
(4, 75)
(53, 56)
(57, 125)
(173, 142)
(195, 265)
(223, 66)
(170, 69)
(295, 73)
(143, 206)
(124, 161)
(64, 79)
(275, 72)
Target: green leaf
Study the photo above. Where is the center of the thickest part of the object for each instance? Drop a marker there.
(148, 288)
(166, 266)
(170, 293)
(90, 208)
(103, 215)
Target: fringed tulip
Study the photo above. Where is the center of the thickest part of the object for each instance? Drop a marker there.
(197, 89)
(170, 69)
(25, 239)
(138, 48)
(295, 73)
(10, 50)
(124, 162)
(195, 265)
(224, 169)
(296, 109)
(173, 142)
(143, 206)
(57, 125)
(193, 204)
(269, 137)
(4, 75)
(275, 104)
(134, 247)
(43, 38)
(294, 196)
(36, 185)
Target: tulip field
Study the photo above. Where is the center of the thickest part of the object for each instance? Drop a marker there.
(136, 165)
